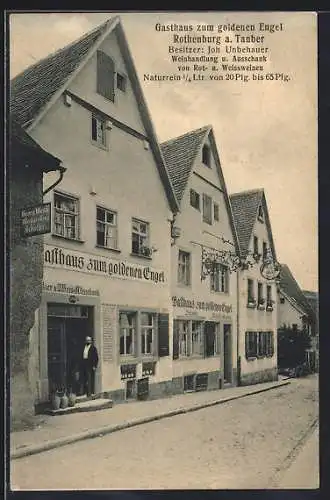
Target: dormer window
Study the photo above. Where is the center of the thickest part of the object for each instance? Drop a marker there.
(260, 214)
(206, 155)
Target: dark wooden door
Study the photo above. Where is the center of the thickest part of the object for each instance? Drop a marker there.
(227, 352)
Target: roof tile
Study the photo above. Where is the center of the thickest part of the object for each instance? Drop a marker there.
(32, 89)
(179, 155)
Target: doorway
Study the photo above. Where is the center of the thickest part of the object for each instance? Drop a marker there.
(67, 327)
(227, 352)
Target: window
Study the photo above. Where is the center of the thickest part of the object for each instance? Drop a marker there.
(251, 344)
(184, 268)
(194, 199)
(251, 299)
(197, 338)
(264, 249)
(127, 322)
(66, 216)
(206, 156)
(219, 278)
(184, 344)
(191, 341)
(99, 131)
(269, 297)
(261, 300)
(106, 228)
(207, 209)
(105, 76)
(265, 344)
(255, 245)
(121, 82)
(260, 214)
(216, 211)
(140, 238)
(148, 333)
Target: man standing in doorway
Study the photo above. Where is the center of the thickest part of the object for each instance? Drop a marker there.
(89, 364)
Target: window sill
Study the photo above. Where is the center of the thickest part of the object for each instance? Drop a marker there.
(128, 360)
(251, 305)
(183, 285)
(74, 240)
(140, 256)
(252, 358)
(261, 307)
(116, 250)
(99, 146)
(194, 356)
(219, 292)
(269, 308)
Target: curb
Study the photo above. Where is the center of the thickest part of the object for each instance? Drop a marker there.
(93, 433)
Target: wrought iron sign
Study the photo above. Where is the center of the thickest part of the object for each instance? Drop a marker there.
(212, 258)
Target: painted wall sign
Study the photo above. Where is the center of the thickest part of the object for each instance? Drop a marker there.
(201, 305)
(36, 220)
(71, 289)
(95, 264)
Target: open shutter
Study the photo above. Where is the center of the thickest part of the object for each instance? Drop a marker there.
(209, 338)
(105, 76)
(175, 339)
(163, 335)
(246, 345)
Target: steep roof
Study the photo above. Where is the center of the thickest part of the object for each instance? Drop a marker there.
(24, 149)
(245, 206)
(31, 90)
(290, 286)
(179, 155)
(35, 89)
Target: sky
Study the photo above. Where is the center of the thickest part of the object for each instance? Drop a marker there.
(266, 131)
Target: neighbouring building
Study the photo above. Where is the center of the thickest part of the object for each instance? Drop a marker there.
(204, 244)
(27, 162)
(296, 312)
(257, 308)
(107, 261)
(313, 300)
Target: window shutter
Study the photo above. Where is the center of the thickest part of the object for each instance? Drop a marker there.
(209, 336)
(175, 339)
(105, 76)
(163, 335)
(246, 344)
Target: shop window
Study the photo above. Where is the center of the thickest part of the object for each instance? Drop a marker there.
(140, 238)
(105, 76)
(211, 338)
(251, 345)
(127, 372)
(148, 369)
(121, 82)
(206, 155)
(197, 338)
(106, 228)
(184, 344)
(207, 209)
(194, 199)
(184, 268)
(148, 333)
(269, 344)
(219, 278)
(216, 211)
(127, 324)
(99, 131)
(66, 216)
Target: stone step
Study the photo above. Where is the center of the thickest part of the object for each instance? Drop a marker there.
(82, 406)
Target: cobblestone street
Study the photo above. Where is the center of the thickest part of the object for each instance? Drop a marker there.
(246, 443)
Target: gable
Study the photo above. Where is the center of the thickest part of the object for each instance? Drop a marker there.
(96, 84)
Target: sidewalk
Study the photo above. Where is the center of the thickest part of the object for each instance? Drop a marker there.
(66, 429)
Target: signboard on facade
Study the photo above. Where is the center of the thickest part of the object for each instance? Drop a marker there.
(36, 220)
(201, 305)
(71, 260)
